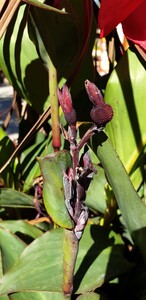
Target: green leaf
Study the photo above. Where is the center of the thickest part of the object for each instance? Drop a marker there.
(6, 149)
(89, 296)
(52, 167)
(11, 248)
(130, 204)
(95, 195)
(55, 36)
(13, 198)
(23, 67)
(125, 92)
(23, 227)
(40, 266)
(29, 166)
(36, 296)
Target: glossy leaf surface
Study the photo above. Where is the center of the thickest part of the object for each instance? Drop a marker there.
(100, 257)
(52, 168)
(13, 198)
(21, 226)
(130, 204)
(95, 195)
(11, 248)
(125, 91)
(21, 66)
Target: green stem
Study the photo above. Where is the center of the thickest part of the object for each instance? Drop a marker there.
(56, 140)
(70, 251)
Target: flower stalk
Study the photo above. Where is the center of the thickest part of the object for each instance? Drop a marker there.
(56, 140)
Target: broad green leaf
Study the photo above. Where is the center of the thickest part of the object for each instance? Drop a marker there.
(36, 296)
(11, 248)
(21, 226)
(125, 91)
(130, 204)
(52, 168)
(95, 195)
(89, 296)
(13, 198)
(40, 266)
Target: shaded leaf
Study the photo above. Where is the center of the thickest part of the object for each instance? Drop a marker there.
(6, 149)
(55, 36)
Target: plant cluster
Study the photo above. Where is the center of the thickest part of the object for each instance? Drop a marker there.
(72, 197)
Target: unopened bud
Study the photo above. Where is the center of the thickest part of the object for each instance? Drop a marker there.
(101, 112)
(65, 100)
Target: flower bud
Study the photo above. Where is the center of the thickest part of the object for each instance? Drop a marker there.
(101, 112)
(65, 100)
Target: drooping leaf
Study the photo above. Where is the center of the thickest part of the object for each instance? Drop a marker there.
(13, 198)
(40, 266)
(52, 167)
(55, 36)
(21, 226)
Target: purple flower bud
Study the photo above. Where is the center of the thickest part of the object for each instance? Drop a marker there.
(65, 100)
(101, 112)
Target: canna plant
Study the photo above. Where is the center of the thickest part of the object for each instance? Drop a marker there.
(87, 237)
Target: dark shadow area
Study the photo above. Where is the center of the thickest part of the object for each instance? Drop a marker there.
(36, 84)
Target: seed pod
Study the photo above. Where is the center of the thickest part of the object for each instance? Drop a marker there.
(101, 116)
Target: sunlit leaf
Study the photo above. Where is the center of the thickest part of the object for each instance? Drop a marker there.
(95, 195)
(126, 91)
(11, 248)
(13, 198)
(89, 296)
(52, 167)
(130, 204)
(40, 266)
(21, 226)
